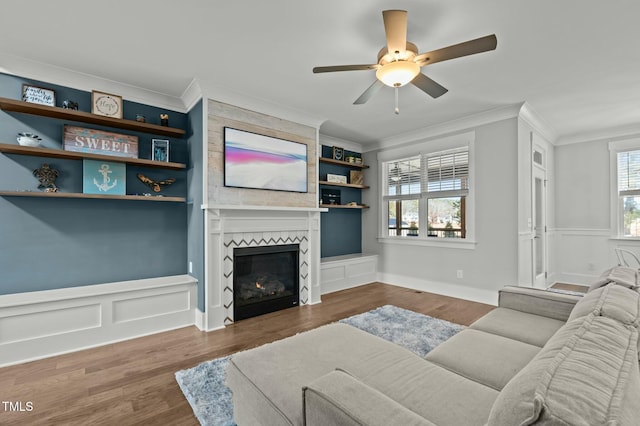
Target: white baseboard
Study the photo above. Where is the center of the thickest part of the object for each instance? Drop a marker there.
(343, 272)
(40, 324)
(489, 297)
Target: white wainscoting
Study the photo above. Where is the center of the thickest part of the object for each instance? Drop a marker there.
(342, 272)
(40, 324)
(580, 255)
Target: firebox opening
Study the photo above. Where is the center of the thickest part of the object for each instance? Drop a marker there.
(265, 279)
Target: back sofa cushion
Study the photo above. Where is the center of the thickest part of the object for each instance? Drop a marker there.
(611, 301)
(586, 374)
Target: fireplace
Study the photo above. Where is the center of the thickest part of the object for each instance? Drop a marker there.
(265, 279)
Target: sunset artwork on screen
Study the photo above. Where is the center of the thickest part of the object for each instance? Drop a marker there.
(264, 162)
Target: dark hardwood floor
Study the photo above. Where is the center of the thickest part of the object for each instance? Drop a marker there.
(133, 382)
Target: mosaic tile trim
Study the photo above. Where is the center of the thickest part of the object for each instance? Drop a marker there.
(261, 239)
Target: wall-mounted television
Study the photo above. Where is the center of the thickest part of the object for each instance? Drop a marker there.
(257, 161)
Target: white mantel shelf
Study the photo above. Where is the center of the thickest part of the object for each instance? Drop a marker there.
(263, 208)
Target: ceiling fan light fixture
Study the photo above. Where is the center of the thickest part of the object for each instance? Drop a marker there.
(397, 74)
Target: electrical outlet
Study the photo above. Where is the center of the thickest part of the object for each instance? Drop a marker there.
(460, 273)
(190, 267)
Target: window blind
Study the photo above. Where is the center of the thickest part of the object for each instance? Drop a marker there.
(403, 177)
(446, 173)
(629, 173)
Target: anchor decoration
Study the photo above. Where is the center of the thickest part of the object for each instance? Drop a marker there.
(106, 184)
(104, 177)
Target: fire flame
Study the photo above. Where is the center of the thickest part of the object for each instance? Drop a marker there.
(258, 285)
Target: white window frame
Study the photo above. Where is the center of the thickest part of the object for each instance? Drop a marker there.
(418, 149)
(617, 223)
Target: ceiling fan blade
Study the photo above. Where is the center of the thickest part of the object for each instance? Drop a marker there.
(345, 68)
(429, 86)
(395, 27)
(368, 94)
(471, 47)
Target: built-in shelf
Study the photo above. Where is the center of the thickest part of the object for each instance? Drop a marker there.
(90, 196)
(72, 155)
(344, 206)
(342, 163)
(345, 185)
(13, 105)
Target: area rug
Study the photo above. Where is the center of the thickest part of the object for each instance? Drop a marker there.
(204, 388)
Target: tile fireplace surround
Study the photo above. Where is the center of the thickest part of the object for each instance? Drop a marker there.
(229, 227)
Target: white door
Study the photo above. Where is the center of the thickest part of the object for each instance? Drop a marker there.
(539, 228)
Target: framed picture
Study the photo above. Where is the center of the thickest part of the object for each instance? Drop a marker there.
(337, 153)
(258, 161)
(103, 177)
(106, 104)
(356, 177)
(38, 95)
(160, 150)
(336, 178)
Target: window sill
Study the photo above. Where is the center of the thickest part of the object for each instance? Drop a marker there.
(430, 242)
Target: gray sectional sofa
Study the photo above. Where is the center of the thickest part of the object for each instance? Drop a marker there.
(538, 358)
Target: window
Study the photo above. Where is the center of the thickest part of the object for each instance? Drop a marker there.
(425, 196)
(628, 193)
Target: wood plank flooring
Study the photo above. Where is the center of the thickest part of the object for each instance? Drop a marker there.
(133, 382)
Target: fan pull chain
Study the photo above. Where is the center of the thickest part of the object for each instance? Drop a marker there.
(397, 110)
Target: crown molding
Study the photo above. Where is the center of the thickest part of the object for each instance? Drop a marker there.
(601, 134)
(463, 123)
(535, 120)
(216, 92)
(27, 68)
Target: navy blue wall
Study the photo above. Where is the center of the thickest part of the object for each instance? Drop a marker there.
(195, 214)
(340, 229)
(54, 243)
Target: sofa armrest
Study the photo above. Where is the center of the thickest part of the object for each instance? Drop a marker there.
(340, 399)
(538, 302)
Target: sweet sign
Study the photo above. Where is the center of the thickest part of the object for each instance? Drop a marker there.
(79, 139)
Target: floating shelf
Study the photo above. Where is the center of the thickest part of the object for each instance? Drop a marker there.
(90, 196)
(342, 163)
(72, 155)
(344, 206)
(345, 185)
(86, 117)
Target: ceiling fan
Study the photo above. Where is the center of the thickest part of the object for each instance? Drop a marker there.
(399, 62)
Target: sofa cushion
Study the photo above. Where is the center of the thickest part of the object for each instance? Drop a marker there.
(621, 275)
(433, 392)
(485, 358)
(517, 325)
(273, 375)
(586, 374)
(611, 301)
(340, 399)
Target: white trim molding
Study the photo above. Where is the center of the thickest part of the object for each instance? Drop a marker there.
(40, 324)
(480, 295)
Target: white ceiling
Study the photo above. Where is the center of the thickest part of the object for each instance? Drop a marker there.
(575, 62)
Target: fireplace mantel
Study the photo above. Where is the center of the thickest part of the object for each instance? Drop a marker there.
(263, 208)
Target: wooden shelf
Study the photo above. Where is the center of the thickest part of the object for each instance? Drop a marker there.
(344, 206)
(345, 185)
(86, 117)
(90, 196)
(342, 163)
(72, 155)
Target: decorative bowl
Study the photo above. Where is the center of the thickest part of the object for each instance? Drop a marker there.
(29, 139)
